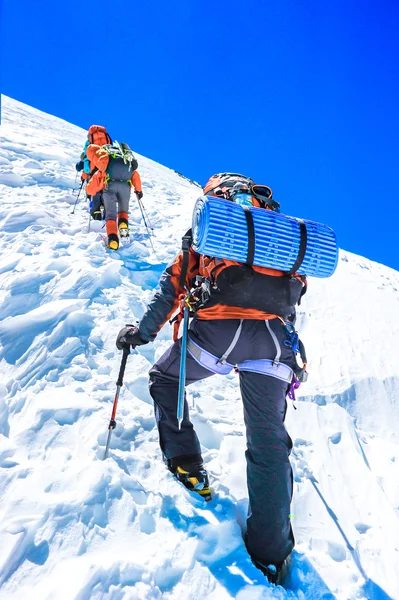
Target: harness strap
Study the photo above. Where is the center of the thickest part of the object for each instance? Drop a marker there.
(276, 343)
(261, 366)
(267, 367)
(223, 359)
(207, 360)
(302, 248)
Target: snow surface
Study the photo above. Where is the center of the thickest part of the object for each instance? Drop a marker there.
(75, 527)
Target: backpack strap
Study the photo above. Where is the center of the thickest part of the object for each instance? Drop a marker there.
(304, 289)
(251, 236)
(187, 240)
(302, 248)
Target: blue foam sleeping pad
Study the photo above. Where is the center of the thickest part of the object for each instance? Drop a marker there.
(220, 229)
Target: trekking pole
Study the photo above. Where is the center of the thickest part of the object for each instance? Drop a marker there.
(90, 209)
(143, 214)
(146, 214)
(183, 359)
(146, 226)
(119, 383)
(77, 197)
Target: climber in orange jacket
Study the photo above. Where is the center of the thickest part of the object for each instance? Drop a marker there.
(115, 175)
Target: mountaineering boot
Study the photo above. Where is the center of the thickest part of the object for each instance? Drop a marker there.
(271, 572)
(96, 216)
(113, 241)
(189, 470)
(275, 574)
(123, 228)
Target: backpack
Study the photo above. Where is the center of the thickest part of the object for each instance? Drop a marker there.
(241, 285)
(223, 281)
(98, 135)
(121, 153)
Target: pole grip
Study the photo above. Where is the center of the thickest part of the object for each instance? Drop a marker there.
(126, 352)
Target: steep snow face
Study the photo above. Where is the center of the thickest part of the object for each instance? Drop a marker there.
(351, 331)
(73, 526)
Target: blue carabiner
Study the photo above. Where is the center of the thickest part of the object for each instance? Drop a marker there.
(293, 338)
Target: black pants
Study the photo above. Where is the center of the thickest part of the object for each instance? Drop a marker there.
(269, 474)
(96, 202)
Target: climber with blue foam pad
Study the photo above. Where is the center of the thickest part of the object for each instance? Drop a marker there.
(242, 310)
(220, 228)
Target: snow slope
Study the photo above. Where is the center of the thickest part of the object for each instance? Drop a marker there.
(75, 527)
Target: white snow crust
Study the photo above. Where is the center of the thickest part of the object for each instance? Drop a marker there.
(75, 527)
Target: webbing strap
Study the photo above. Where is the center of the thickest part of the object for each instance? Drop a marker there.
(302, 352)
(223, 359)
(302, 248)
(207, 360)
(276, 343)
(251, 236)
(265, 366)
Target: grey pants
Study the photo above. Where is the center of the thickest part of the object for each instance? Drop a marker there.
(116, 199)
(269, 473)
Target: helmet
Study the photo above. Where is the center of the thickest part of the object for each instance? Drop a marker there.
(220, 184)
(242, 190)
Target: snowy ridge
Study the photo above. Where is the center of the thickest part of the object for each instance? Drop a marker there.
(75, 527)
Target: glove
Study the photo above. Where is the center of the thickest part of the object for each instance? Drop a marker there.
(129, 336)
(139, 195)
(79, 166)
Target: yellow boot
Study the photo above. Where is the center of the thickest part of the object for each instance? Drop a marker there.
(113, 241)
(123, 229)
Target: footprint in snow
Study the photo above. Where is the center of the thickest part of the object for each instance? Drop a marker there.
(362, 527)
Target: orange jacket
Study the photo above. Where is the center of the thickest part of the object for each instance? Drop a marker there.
(99, 159)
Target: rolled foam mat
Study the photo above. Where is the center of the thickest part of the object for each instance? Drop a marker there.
(220, 229)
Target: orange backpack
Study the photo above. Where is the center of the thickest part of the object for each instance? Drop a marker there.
(98, 135)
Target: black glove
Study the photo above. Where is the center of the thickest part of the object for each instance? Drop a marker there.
(79, 166)
(129, 336)
(139, 195)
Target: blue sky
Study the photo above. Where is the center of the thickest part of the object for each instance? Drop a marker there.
(302, 96)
